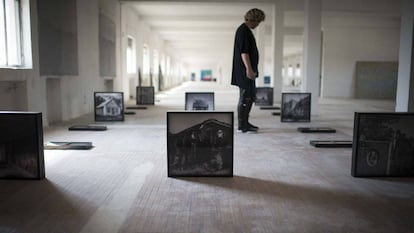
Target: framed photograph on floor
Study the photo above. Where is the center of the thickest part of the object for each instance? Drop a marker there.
(295, 107)
(145, 95)
(264, 96)
(383, 144)
(21, 145)
(109, 106)
(199, 101)
(200, 143)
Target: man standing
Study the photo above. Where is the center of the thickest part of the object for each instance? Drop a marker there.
(245, 60)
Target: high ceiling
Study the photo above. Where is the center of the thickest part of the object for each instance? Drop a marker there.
(203, 32)
(197, 32)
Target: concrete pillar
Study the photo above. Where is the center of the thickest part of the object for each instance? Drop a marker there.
(277, 46)
(312, 51)
(405, 83)
(260, 40)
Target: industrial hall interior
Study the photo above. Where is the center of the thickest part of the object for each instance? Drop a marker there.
(120, 116)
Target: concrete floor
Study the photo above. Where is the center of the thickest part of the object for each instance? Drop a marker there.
(280, 183)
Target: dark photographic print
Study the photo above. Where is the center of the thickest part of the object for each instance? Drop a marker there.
(21, 145)
(145, 95)
(109, 106)
(383, 144)
(264, 96)
(200, 143)
(199, 101)
(296, 107)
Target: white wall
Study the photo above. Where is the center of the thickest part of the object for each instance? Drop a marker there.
(344, 46)
(33, 97)
(77, 91)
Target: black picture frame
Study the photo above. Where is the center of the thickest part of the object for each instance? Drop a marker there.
(109, 106)
(21, 145)
(87, 128)
(145, 95)
(331, 143)
(264, 96)
(295, 107)
(196, 101)
(383, 144)
(266, 80)
(200, 143)
(316, 130)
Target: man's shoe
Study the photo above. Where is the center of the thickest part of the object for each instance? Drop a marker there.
(248, 129)
(252, 126)
(249, 126)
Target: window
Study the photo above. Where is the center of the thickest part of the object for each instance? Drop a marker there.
(146, 60)
(156, 62)
(297, 70)
(12, 33)
(131, 61)
(168, 66)
(290, 71)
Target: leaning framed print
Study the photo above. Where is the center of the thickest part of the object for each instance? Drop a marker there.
(264, 96)
(295, 107)
(21, 145)
(199, 101)
(200, 143)
(145, 95)
(109, 106)
(383, 144)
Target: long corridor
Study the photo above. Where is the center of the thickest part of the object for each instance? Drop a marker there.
(281, 183)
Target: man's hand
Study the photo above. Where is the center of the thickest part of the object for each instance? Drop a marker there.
(250, 74)
(249, 71)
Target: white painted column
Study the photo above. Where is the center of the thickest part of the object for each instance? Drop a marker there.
(260, 41)
(405, 83)
(124, 79)
(312, 51)
(277, 46)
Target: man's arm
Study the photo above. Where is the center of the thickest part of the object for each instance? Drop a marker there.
(249, 70)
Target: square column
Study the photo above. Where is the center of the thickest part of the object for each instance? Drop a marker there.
(405, 82)
(277, 46)
(312, 51)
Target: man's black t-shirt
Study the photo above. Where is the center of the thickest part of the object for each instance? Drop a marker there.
(244, 42)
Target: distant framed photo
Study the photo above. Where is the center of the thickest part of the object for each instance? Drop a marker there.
(266, 80)
(295, 107)
(264, 96)
(199, 101)
(383, 144)
(200, 143)
(21, 145)
(109, 106)
(145, 95)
